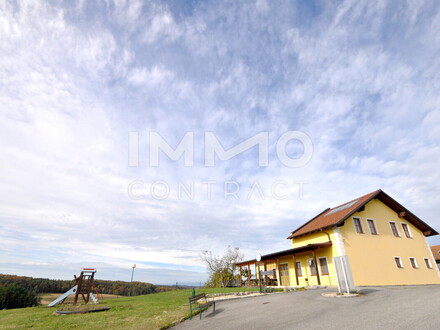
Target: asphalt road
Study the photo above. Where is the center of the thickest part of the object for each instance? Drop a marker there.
(406, 307)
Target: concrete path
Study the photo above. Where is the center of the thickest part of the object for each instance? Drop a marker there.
(408, 307)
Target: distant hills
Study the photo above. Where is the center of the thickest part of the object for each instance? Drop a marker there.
(45, 285)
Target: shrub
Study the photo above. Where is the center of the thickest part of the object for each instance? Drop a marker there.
(14, 296)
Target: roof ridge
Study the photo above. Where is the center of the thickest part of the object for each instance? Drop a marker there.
(365, 198)
(337, 215)
(355, 199)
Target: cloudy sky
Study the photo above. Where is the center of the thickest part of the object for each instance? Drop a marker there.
(360, 79)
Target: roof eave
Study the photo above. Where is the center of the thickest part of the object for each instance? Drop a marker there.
(293, 232)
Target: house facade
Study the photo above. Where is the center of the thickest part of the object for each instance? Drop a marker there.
(381, 242)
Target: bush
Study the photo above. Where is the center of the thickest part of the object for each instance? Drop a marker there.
(14, 296)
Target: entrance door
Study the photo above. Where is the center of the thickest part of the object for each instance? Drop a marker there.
(284, 274)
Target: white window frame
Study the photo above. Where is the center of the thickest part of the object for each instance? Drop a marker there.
(296, 269)
(360, 224)
(401, 262)
(320, 270)
(375, 226)
(415, 262)
(397, 229)
(429, 262)
(310, 267)
(409, 230)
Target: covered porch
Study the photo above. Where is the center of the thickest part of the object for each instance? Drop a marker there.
(274, 269)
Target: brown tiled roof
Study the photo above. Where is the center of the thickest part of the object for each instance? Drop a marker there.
(436, 251)
(337, 215)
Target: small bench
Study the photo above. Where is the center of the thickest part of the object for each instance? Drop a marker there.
(199, 302)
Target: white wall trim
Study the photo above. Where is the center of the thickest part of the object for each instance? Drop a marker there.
(310, 268)
(360, 224)
(339, 241)
(415, 261)
(319, 267)
(409, 230)
(375, 226)
(429, 262)
(401, 262)
(296, 270)
(397, 229)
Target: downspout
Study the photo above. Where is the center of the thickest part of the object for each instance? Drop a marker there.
(326, 234)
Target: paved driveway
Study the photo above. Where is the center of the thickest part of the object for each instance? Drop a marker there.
(407, 307)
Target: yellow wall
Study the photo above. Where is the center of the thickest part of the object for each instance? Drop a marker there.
(371, 257)
(329, 253)
(328, 280)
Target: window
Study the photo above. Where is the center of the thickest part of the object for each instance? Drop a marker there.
(299, 269)
(428, 263)
(323, 265)
(284, 270)
(372, 227)
(358, 225)
(394, 229)
(398, 262)
(413, 263)
(406, 230)
(312, 267)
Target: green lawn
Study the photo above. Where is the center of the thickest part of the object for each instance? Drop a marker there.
(153, 311)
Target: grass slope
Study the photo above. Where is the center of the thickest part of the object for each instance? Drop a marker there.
(153, 311)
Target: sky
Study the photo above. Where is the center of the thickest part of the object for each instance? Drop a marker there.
(359, 79)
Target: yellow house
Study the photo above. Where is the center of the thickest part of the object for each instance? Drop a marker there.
(371, 240)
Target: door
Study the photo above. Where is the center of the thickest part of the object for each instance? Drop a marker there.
(284, 274)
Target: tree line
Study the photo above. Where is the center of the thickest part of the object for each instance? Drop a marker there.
(45, 285)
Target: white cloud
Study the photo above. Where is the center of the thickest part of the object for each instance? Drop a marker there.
(162, 28)
(74, 81)
(149, 78)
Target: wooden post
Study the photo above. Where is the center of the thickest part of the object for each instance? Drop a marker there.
(249, 275)
(78, 289)
(296, 271)
(259, 275)
(265, 269)
(316, 267)
(278, 272)
(241, 279)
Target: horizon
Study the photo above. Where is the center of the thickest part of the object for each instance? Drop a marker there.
(147, 133)
(187, 284)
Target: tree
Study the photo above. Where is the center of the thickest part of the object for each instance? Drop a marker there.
(15, 296)
(221, 268)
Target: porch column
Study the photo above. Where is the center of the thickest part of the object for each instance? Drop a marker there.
(249, 275)
(265, 269)
(316, 266)
(277, 271)
(241, 279)
(259, 275)
(295, 270)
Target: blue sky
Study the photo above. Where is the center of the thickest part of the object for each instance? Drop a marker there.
(359, 78)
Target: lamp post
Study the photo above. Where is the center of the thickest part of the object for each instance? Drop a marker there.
(132, 273)
(258, 258)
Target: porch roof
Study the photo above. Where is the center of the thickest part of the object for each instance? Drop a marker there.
(308, 247)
